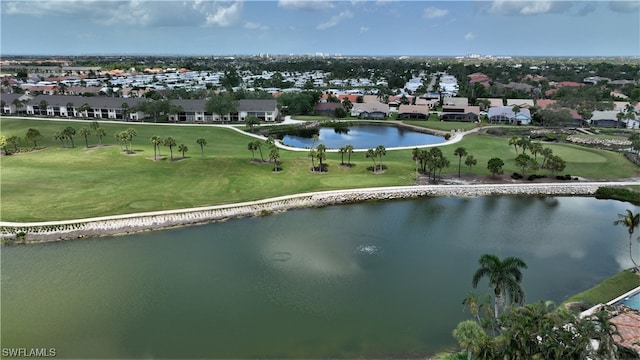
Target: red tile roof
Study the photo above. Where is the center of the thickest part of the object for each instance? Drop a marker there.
(628, 325)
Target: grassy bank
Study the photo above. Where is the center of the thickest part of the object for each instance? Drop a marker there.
(608, 289)
(84, 182)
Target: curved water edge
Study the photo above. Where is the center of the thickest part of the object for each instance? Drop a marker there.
(35, 232)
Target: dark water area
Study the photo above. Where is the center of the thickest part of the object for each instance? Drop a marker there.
(364, 137)
(380, 279)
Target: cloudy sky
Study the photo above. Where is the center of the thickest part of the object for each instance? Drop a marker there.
(357, 27)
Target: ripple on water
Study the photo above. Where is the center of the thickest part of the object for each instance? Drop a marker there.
(281, 256)
(369, 249)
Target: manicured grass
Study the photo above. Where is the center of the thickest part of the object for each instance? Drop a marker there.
(608, 289)
(442, 125)
(58, 183)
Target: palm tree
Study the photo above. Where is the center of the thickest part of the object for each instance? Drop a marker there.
(170, 142)
(371, 154)
(631, 221)
(321, 154)
(33, 135)
(460, 152)
(274, 154)
(183, 149)
(14, 140)
(515, 141)
(313, 154)
(251, 146)
(202, 142)
(100, 133)
(349, 150)
(535, 148)
(470, 336)
(125, 111)
(85, 131)
(342, 151)
(69, 108)
(380, 152)
(69, 132)
(470, 161)
(504, 277)
(156, 141)
(258, 146)
(546, 154)
(131, 133)
(59, 135)
(42, 105)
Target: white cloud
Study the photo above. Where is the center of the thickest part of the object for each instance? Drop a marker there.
(433, 12)
(364, 29)
(535, 7)
(225, 16)
(307, 5)
(470, 36)
(255, 26)
(335, 20)
(133, 12)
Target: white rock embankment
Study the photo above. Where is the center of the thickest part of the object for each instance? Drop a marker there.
(130, 223)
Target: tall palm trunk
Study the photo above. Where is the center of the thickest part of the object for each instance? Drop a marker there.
(635, 265)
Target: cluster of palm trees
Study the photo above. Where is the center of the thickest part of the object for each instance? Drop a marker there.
(430, 161)
(526, 162)
(274, 152)
(373, 154)
(533, 331)
(170, 142)
(125, 137)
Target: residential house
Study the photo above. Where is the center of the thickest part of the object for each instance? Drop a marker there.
(370, 110)
(606, 119)
(460, 113)
(521, 103)
(413, 112)
(326, 108)
(506, 115)
(263, 109)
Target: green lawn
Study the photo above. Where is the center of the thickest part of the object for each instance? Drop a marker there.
(58, 183)
(442, 125)
(608, 289)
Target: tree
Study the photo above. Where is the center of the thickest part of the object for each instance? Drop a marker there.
(631, 221)
(13, 140)
(33, 135)
(380, 152)
(274, 154)
(156, 141)
(526, 162)
(183, 149)
(251, 121)
(515, 141)
(460, 152)
(504, 277)
(42, 105)
(222, 105)
(69, 132)
(3, 143)
(470, 336)
(535, 148)
(495, 166)
(170, 143)
(555, 164)
(313, 154)
(342, 151)
(84, 108)
(470, 161)
(251, 146)
(202, 142)
(371, 154)
(85, 131)
(349, 149)
(100, 133)
(321, 154)
(546, 154)
(59, 135)
(131, 133)
(258, 146)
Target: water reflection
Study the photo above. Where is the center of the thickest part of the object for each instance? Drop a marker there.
(365, 280)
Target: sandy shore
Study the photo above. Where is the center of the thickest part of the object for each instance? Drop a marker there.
(130, 223)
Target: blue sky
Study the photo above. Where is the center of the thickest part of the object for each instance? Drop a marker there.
(358, 27)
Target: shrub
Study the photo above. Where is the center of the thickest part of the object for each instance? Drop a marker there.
(516, 176)
(447, 136)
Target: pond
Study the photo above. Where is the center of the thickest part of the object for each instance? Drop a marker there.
(373, 280)
(365, 137)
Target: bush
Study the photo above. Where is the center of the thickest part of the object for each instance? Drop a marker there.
(616, 193)
(535, 176)
(516, 176)
(447, 136)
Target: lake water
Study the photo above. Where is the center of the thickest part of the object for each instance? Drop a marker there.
(365, 137)
(380, 279)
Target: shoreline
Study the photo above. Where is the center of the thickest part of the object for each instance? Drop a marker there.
(38, 232)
